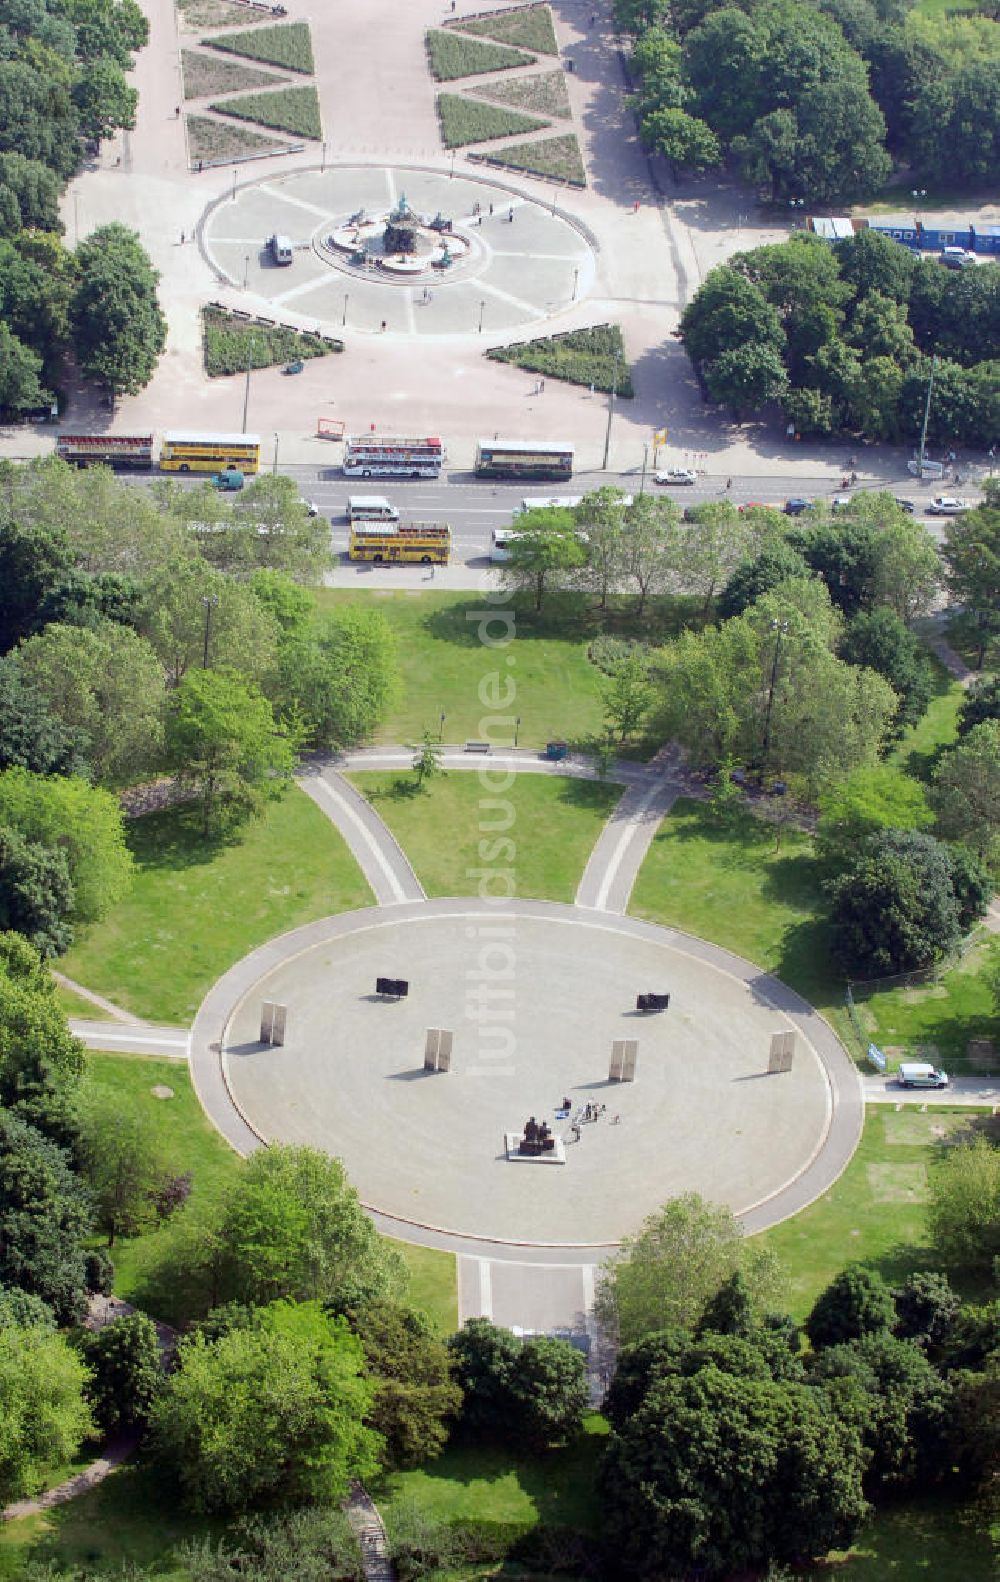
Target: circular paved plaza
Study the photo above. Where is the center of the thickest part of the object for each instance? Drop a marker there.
(534, 996)
(507, 272)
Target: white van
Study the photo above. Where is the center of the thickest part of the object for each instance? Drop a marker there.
(500, 545)
(917, 1074)
(280, 249)
(371, 508)
(925, 469)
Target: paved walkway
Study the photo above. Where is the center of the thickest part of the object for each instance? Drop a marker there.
(145, 1038)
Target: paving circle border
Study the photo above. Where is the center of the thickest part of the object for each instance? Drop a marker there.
(476, 176)
(829, 1158)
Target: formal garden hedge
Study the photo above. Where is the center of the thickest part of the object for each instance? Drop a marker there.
(594, 356)
(543, 93)
(231, 344)
(288, 45)
(294, 110)
(466, 121)
(205, 74)
(556, 157)
(451, 56)
(529, 27)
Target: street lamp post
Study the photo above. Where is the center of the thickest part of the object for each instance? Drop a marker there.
(210, 601)
(344, 319)
(323, 161)
(246, 270)
(246, 389)
(645, 460)
(796, 203)
(482, 310)
(441, 726)
(576, 281)
(919, 193)
(611, 409)
(274, 469)
(517, 727)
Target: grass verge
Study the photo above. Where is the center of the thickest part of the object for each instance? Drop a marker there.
(555, 824)
(230, 345)
(195, 907)
(197, 14)
(876, 1213)
(555, 157)
(541, 94)
(433, 1284)
(450, 56)
(594, 357)
(208, 139)
(492, 1484)
(445, 663)
(294, 110)
(75, 1005)
(529, 27)
(963, 638)
(918, 748)
(465, 121)
(289, 45)
(205, 74)
(936, 1021)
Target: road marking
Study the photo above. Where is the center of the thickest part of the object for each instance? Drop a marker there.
(298, 203)
(378, 854)
(301, 289)
(485, 1288)
(621, 846)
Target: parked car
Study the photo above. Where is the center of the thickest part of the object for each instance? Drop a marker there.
(957, 258)
(796, 505)
(948, 505)
(904, 504)
(840, 502)
(228, 478)
(310, 506)
(676, 475)
(925, 468)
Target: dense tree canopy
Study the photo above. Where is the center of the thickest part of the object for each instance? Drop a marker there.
(43, 1415)
(118, 326)
(44, 1219)
(894, 908)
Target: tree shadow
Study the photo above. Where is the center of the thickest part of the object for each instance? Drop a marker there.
(175, 839)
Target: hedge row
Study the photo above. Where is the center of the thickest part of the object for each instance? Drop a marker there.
(230, 342)
(580, 357)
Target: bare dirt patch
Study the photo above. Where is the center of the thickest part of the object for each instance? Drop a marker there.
(209, 139)
(205, 74)
(198, 14)
(543, 94)
(903, 1183)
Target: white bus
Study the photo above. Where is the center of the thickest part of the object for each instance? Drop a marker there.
(392, 456)
(524, 458)
(548, 502)
(371, 508)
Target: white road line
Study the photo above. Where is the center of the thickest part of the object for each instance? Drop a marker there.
(505, 296)
(587, 1274)
(621, 846)
(485, 1288)
(379, 856)
(298, 203)
(301, 289)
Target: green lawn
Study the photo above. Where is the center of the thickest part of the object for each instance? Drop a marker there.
(876, 1212)
(558, 690)
(195, 907)
(935, 1021)
(490, 1483)
(75, 1005)
(917, 749)
(294, 110)
(553, 826)
(724, 881)
(433, 1284)
(527, 27)
(289, 45)
(557, 157)
(931, 1540)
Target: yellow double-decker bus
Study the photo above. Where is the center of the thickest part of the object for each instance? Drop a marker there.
(395, 544)
(209, 452)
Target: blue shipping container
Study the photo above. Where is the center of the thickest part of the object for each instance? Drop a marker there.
(986, 238)
(898, 227)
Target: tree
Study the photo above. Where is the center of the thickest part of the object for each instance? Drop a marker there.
(878, 638)
(898, 1402)
(601, 516)
(21, 388)
(728, 311)
(776, 563)
(684, 141)
(293, 1227)
(667, 1271)
(36, 894)
(894, 909)
(720, 1472)
(874, 798)
(842, 553)
(415, 1395)
(483, 1357)
(30, 736)
(544, 553)
(856, 1302)
(84, 822)
(980, 704)
(971, 552)
(964, 1211)
(195, 616)
(43, 1414)
(906, 575)
(118, 326)
(40, 1060)
(340, 672)
(126, 1374)
(33, 560)
(273, 1411)
(965, 792)
(122, 1163)
(265, 527)
(549, 1389)
(652, 541)
(44, 1219)
(35, 189)
(427, 763)
(627, 696)
(105, 684)
(926, 1309)
(746, 378)
(223, 743)
(716, 539)
(104, 98)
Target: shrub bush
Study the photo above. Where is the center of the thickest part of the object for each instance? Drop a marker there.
(450, 56)
(294, 110)
(229, 343)
(529, 26)
(466, 121)
(593, 356)
(288, 45)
